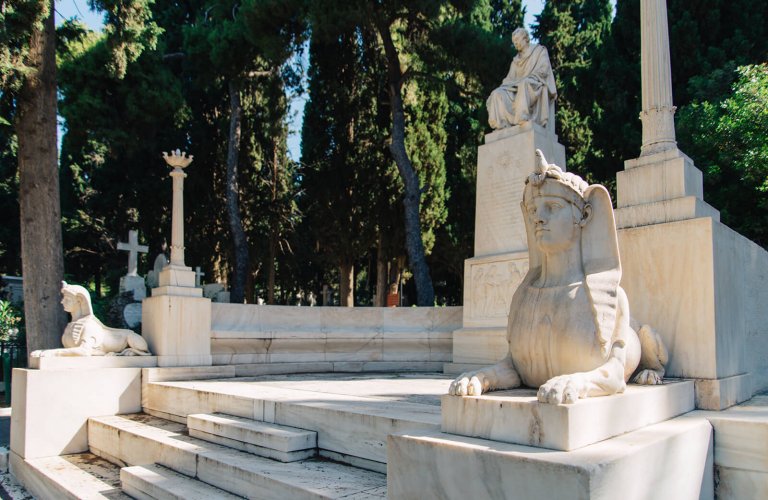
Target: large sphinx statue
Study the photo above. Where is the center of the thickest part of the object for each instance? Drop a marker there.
(569, 327)
(85, 335)
(528, 92)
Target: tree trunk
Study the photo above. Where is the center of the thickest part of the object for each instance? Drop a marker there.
(41, 245)
(381, 274)
(347, 284)
(425, 293)
(233, 198)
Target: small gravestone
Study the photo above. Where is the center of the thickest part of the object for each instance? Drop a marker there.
(153, 277)
(132, 282)
(132, 314)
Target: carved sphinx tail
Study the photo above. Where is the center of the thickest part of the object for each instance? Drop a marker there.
(653, 357)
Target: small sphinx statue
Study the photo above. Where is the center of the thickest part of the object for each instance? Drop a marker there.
(569, 327)
(528, 92)
(86, 335)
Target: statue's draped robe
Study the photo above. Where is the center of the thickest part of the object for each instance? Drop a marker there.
(526, 93)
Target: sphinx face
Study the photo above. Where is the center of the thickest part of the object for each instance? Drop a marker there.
(555, 223)
(69, 302)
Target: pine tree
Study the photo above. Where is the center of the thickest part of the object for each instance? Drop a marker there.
(573, 32)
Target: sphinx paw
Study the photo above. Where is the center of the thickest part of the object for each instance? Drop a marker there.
(648, 377)
(565, 389)
(469, 384)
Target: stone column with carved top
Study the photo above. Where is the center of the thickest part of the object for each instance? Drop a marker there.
(679, 261)
(177, 318)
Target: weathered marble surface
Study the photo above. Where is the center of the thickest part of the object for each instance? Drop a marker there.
(51, 407)
(517, 417)
(703, 286)
(178, 328)
(671, 460)
(283, 334)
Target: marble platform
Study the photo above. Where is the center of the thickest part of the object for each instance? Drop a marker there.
(517, 417)
(671, 460)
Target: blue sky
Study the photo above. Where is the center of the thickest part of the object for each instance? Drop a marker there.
(67, 9)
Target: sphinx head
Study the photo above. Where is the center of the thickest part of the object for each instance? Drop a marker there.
(555, 206)
(76, 300)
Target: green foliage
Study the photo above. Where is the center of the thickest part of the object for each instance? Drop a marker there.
(573, 32)
(11, 323)
(730, 141)
(17, 17)
(129, 29)
(708, 40)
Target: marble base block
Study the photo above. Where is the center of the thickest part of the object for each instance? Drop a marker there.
(177, 276)
(703, 288)
(517, 417)
(178, 329)
(51, 407)
(718, 394)
(91, 362)
(671, 460)
(503, 163)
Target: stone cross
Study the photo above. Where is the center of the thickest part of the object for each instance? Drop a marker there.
(178, 161)
(133, 248)
(198, 274)
(658, 114)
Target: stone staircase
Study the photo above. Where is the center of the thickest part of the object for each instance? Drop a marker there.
(275, 437)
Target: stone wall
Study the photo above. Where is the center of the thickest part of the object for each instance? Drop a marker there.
(334, 338)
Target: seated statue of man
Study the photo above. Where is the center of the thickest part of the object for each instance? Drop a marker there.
(85, 335)
(528, 92)
(569, 327)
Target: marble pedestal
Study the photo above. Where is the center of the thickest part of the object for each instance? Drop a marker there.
(703, 287)
(671, 460)
(501, 250)
(517, 417)
(176, 320)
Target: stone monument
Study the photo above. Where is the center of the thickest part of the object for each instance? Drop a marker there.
(700, 283)
(85, 335)
(132, 282)
(177, 318)
(528, 92)
(569, 327)
(526, 99)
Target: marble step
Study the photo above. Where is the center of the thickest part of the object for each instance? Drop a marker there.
(77, 476)
(155, 482)
(278, 442)
(741, 449)
(351, 427)
(141, 439)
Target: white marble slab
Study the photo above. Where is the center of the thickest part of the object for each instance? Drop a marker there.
(671, 460)
(517, 417)
(92, 362)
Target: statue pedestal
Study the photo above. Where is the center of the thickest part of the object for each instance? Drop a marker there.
(501, 248)
(671, 459)
(176, 320)
(699, 284)
(517, 417)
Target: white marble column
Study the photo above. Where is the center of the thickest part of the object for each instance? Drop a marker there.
(658, 111)
(178, 161)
